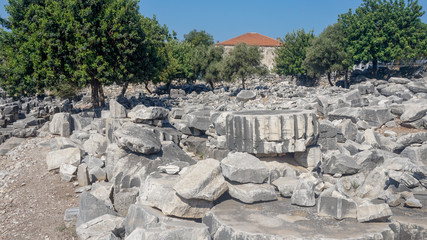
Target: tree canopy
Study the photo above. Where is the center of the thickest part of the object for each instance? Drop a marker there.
(327, 53)
(241, 62)
(80, 43)
(291, 54)
(385, 30)
(198, 38)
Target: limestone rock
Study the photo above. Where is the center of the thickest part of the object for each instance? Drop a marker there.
(91, 207)
(67, 172)
(55, 159)
(336, 207)
(202, 181)
(117, 110)
(373, 212)
(244, 168)
(124, 199)
(138, 139)
(103, 227)
(158, 192)
(341, 164)
(96, 145)
(141, 114)
(61, 124)
(310, 158)
(251, 193)
(286, 185)
(303, 194)
(246, 95)
(199, 120)
(376, 116)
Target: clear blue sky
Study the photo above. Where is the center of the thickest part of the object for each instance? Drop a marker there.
(225, 19)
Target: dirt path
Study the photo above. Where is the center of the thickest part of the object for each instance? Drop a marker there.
(33, 200)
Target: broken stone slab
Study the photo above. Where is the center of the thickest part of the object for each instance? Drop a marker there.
(413, 203)
(55, 159)
(178, 233)
(199, 120)
(416, 154)
(117, 110)
(61, 124)
(373, 212)
(414, 111)
(96, 145)
(286, 185)
(70, 216)
(67, 172)
(303, 194)
(157, 191)
(59, 143)
(279, 220)
(376, 116)
(246, 95)
(347, 130)
(411, 138)
(103, 227)
(124, 199)
(150, 219)
(340, 164)
(169, 169)
(251, 193)
(202, 181)
(417, 87)
(136, 138)
(336, 207)
(271, 132)
(91, 207)
(345, 113)
(83, 175)
(141, 114)
(244, 168)
(97, 174)
(374, 184)
(113, 154)
(173, 153)
(310, 158)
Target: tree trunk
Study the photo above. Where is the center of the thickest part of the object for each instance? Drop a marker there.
(347, 84)
(101, 96)
(243, 83)
(212, 85)
(95, 92)
(168, 87)
(329, 79)
(374, 67)
(146, 87)
(124, 88)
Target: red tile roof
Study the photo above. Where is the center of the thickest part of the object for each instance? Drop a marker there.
(252, 39)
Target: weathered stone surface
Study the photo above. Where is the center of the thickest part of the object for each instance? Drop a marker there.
(373, 212)
(103, 191)
(61, 124)
(251, 193)
(124, 199)
(113, 154)
(411, 138)
(91, 207)
(286, 185)
(310, 158)
(199, 120)
(96, 145)
(336, 207)
(158, 192)
(152, 220)
(303, 194)
(244, 168)
(202, 181)
(347, 130)
(59, 143)
(83, 175)
(117, 110)
(10, 144)
(138, 139)
(103, 227)
(141, 114)
(246, 95)
(374, 184)
(67, 172)
(70, 156)
(376, 116)
(341, 164)
(271, 132)
(413, 203)
(279, 220)
(345, 113)
(414, 112)
(172, 153)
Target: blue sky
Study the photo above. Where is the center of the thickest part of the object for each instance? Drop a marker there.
(225, 19)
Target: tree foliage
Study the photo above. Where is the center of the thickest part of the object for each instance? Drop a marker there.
(291, 54)
(198, 38)
(327, 53)
(80, 43)
(385, 30)
(241, 62)
(210, 62)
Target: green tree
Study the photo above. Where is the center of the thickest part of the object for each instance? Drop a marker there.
(291, 54)
(198, 38)
(327, 53)
(385, 30)
(241, 62)
(211, 65)
(80, 43)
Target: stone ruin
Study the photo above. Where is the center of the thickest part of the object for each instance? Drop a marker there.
(274, 162)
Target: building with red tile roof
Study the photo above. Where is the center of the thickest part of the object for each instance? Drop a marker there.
(267, 44)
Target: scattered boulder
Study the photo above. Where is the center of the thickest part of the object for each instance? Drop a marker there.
(70, 156)
(244, 168)
(135, 138)
(103, 227)
(61, 124)
(373, 212)
(251, 193)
